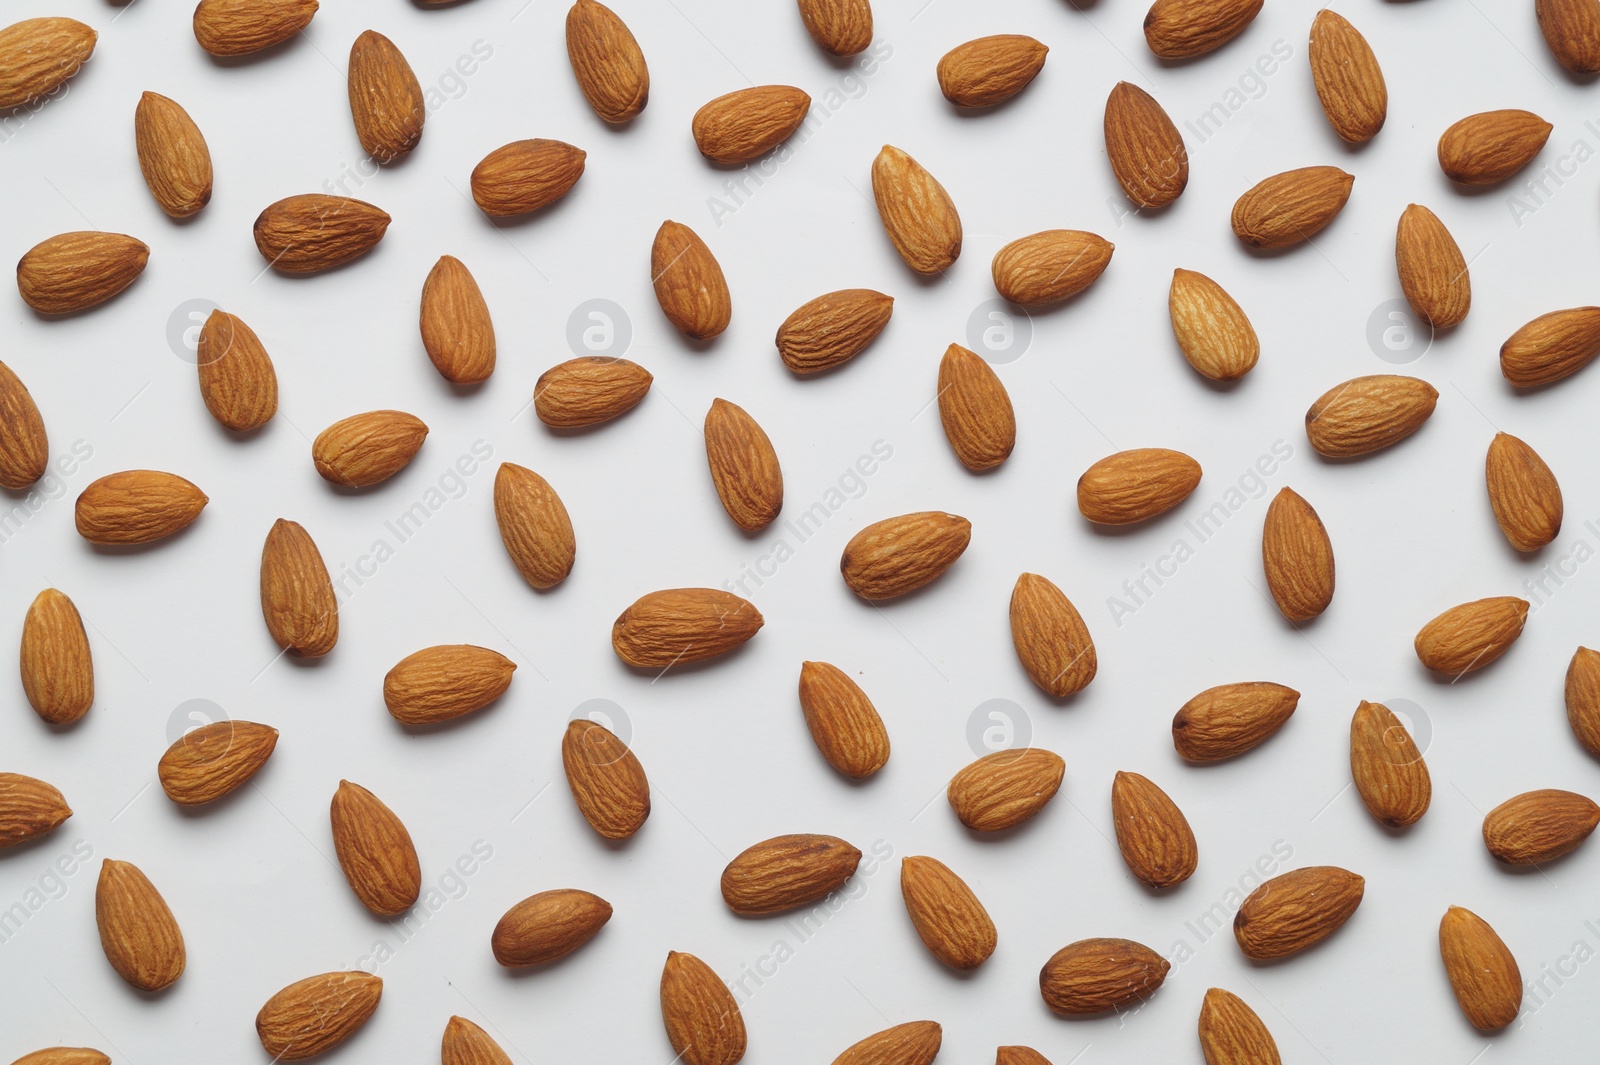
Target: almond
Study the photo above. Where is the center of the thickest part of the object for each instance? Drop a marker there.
(1146, 151)
(316, 1014)
(136, 507)
(1348, 79)
(832, 329)
(1179, 29)
(172, 156)
(1551, 347)
(744, 467)
(840, 27)
(1133, 486)
(548, 926)
(607, 62)
(297, 597)
(1050, 267)
(465, 1043)
(589, 390)
(456, 329)
(1572, 30)
(1297, 910)
(898, 555)
(608, 783)
(29, 809)
(534, 526)
(1583, 698)
(1523, 493)
(75, 271)
(1482, 972)
(239, 27)
(445, 682)
(975, 410)
(38, 55)
(1433, 272)
(1539, 826)
(1019, 1056)
(367, 449)
(64, 1056)
(1367, 414)
(1153, 835)
(1051, 640)
(385, 100)
(311, 233)
(1286, 209)
(1470, 636)
(700, 1014)
(24, 447)
(1487, 148)
(683, 625)
(1100, 975)
(842, 721)
(749, 123)
(524, 176)
(138, 933)
(237, 380)
(1231, 719)
(990, 70)
(57, 668)
(1232, 1034)
(916, 211)
(1297, 557)
(209, 762)
(948, 917)
(787, 872)
(1388, 769)
(912, 1043)
(1004, 789)
(1212, 330)
(375, 851)
(689, 284)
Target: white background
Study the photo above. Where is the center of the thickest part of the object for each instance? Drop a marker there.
(253, 882)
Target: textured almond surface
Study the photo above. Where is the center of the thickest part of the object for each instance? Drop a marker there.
(1019, 1056)
(606, 61)
(1291, 208)
(1212, 330)
(386, 102)
(1232, 1034)
(57, 668)
(313, 232)
(1100, 975)
(1551, 347)
(1049, 267)
(1367, 414)
(1297, 910)
(1051, 640)
(64, 1056)
(24, 447)
(457, 331)
(172, 155)
(1539, 826)
(749, 123)
(1231, 719)
(1572, 30)
(316, 1014)
(1297, 557)
(786, 872)
(589, 390)
(1470, 636)
(136, 507)
(524, 176)
(1523, 493)
(975, 410)
(1482, 971)
(682, 625)
(38, 55)
(744, 466)
(465, 1043)
(207, 763)
(1583, 698)
(1004, 789)
(548, 926)
(840, 27)
(1433, 272)
(912, 1043)
(1146, 151)
(29, 808)
(1348, 79)
(1179, 29)
(608, 783)
(842, 721)
(916, 212)
(1487, 148)
(948, 917)
(75, 271)
(138, 933)
(375, 851)
(297, 599)
(689, 284)
(832, 328)
(440, 683)
(990, 70)
(898, 555)
(239, 27)
(1153, 835)
(366, 449)
(1133, 486)
(700, 1014)
(534, 526)
(1388, 770)
(237, 381)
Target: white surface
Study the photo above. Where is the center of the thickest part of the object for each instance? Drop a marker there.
(253, 883)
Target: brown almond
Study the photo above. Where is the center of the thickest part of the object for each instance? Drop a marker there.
(1367, 414)
(589, 390)
(1470, 636)
(1551, 347)
(975, 410)
(700, 1014)
(1051, 640)
(1230, 719)
(832, 329)
(749, 123)
(239, 27)
(1297, 910)
(1134, 486)
(912, 1043)
(367, 449)
(29, 809)
(1232, 1034)
(172, 156)
(1019, 1056)
(608, 783)
(1539, 826)
(1153, 835)
(1482, 971)
(316, 1014)
(916, 212)
(1100, 975)
(548, 926)
(237, 380)
(787, 872)
(24, 447)
(607, 62)
(457, 331)
(75, 271)
(744, 467)
(1523, 493)
(1004, 789)
(1487, 148)
(311, 233)
(689, 284)
(1583, 698)
(1049, 267)
(524, 176)
(898, 555)
(1180, 29)
(1572, 30)
(1433, 272)
(1146, 151)
(38, 55)
(138, 933)
(534, 526)
(375, 851)
(948, 917)
(1297, 557)
(1212, 330)
(990, 70)
(385, 99)
(1348, 79)
(1390, 775)
(842, 721)
(1289, 208)
(57, 668)
(64, 1056)
(209, 762)
(841, 27)
(136, 507)
(465, 1043)
(682, 625)
(297, 599)
(445, 682)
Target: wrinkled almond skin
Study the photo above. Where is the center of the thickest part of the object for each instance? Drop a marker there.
(832, 329)
(1487, 148)
(367, 449)
(1230, 719)
(138, 933)
(1232, 1034)
(1523, 493)
(1146, 151)
(1051, 640)
(744, 466)
(57, 668)
(1551, 347)
(1004, 789)
(1289, 208)
(525, 176)
(316, 1014)
(1049, 267)
(209, 762)
(1212, 330)
(896, 556)
(1482, 971)
(589, 390)
(548, 926)
(689, 284)
(311, 233)
(1348, 79)
(239, 27)
(1153, 835)
(1367, 414)
(38, 55)
(1180, 29)
(1388, 770)
(64, 1056)
(375, 851)
(445, 682)
(1572, 30)
(842, 721)
(1539, 826)
(607, 782)
(464, 1043)
(840, 27)
(917, 213)
(75, 271)
(607, 62)
(749, 123)
(1134, 486)
(1470, 636)
(787, 872)
(24, 447)
(237, 381)
(457, 331)
(534, 526)
(700, 1014)
(975, 410)
(136, 507)
(1100, 975)
(172, 156)
(297, 599)
(1583, 698)
(990, 70)
(29, 809)
(912, 1043)
(386, 101)
(1297, 557)
(1433, 272)
(1297, 910)
(682, 625)
(1019, 1056)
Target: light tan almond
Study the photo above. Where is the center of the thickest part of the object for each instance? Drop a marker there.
(1289, 208)
(316, 1014)
(1146, 151)
(138, 933)
(990, 70)
(744, 467)
(24, 447)
(1470, 636)
(842, 721)
(29, 809)
(1153, 835)
(375, 851)
(1232, 1034)
(367, 449)
(1523, 493)
(1348, 79)
(1390, 775)
(206, 763)
(64, 1056)
(1050, 267)
(1004, 789)
(1367, 414)
(1572, 30)
(57, 668)
(749, 123)
(1051, 640)
(912, 1043)
(1487, 148)
(608, 783)
(589, 390)
(237, 380)
(832, 329)
(1019, 1056)
(1433, 272)
(1297, 557)
(1230, 719)
(840, 27)
(1583, 698)
(239, 27)
(297, 599)
(1297, 910)
(75, 271)
(386, 101)
(1539, 826)
(136, 507)
(898, 555)
(38, 55)
(975, 410)
(916, 212)
(548, 926)
(172, 156)
(683, 625)
(534, 526)
(787, 872)
(607, 62)
(465, 1043)
(689, 284)
(1482, 971)
(457, 331)
(1100, 975)
(1551, 347)
(948, 917)
(445, 682)
(525, 176)
(1133, 486)
(1180, 29)
(311, 233)
(700, 1014)
(1212, 330)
